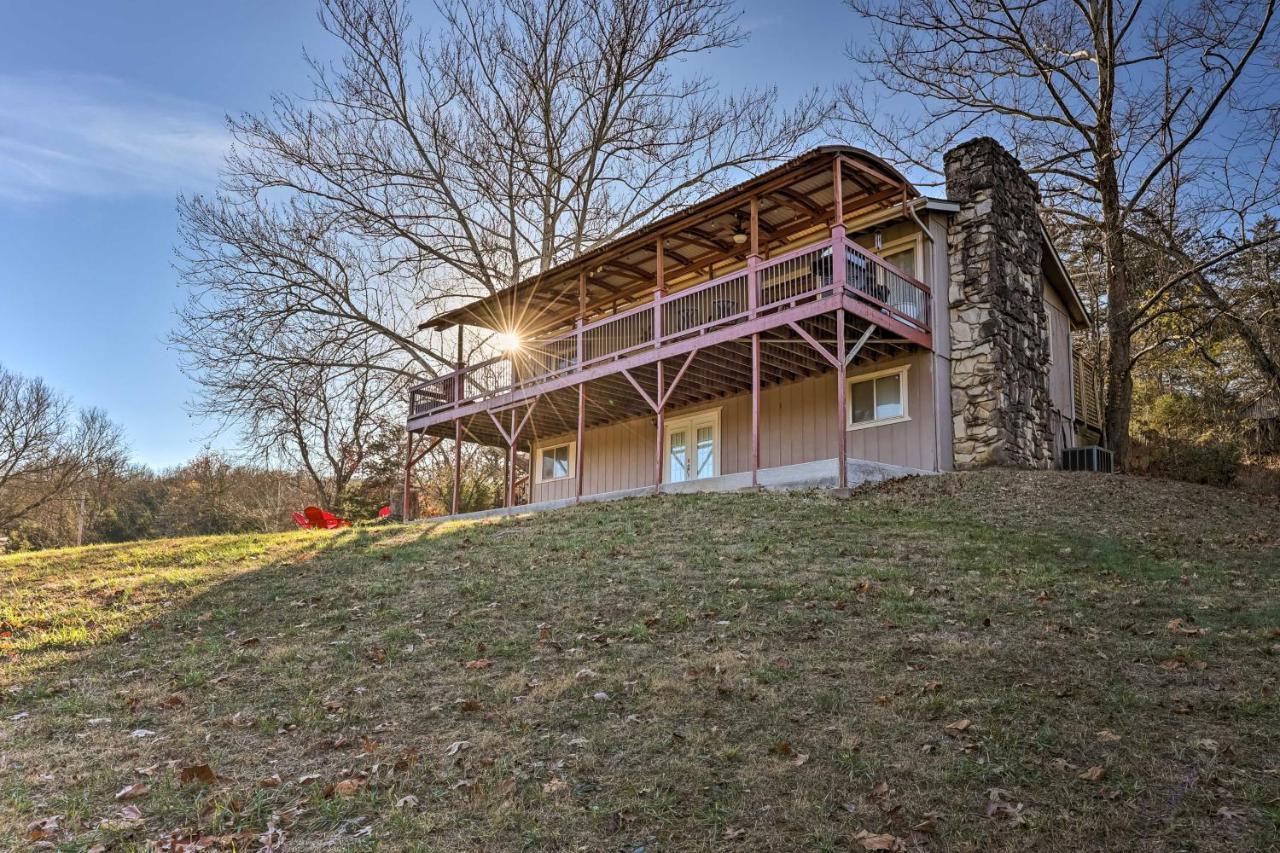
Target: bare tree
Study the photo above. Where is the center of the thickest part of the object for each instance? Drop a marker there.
(47, 450)
(427, 167)
(1111, 104)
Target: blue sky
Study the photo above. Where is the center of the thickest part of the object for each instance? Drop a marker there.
(109, 110)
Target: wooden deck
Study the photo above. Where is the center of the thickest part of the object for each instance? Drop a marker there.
(704, 329)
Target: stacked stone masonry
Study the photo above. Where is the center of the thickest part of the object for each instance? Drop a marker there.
(999, 326)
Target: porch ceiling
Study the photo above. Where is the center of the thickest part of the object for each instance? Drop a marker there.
(716, 372)
(795, 197)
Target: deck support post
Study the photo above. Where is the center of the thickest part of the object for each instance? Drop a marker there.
(511, 464)
(661, 425)
(842, 434)
(577, 463)
(408, 473)
(755, 410)
(457, 467)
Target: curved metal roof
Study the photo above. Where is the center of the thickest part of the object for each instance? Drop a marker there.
(798, 185)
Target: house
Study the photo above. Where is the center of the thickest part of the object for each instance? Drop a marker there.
(823, 314)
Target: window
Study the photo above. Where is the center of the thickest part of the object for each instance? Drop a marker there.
(878, 398)
(555, 463)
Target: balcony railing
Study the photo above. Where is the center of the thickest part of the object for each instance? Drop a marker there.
(799, 276)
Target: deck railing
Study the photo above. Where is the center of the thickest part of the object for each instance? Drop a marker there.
(798, 276)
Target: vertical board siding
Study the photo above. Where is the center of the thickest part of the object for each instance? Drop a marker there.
(797, 424)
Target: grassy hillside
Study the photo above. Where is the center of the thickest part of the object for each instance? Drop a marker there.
(983, 662)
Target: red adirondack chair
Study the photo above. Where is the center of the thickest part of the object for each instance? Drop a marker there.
(301, 520)
(324, 520)
(384, 512)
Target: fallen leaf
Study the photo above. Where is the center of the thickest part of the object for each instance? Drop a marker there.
(958, 726)
(272, 781)
(347, 787)
(131, 813)
(1107, 736)
(408, 801)
(137, 789)
(457, 746)
(800, 759)
(43, 829)
(879, 841)
(201, 773)
(555, 786)
(141, 733)
(478, 663)
(1093, 774)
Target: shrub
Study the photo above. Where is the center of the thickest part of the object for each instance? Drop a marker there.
(1212, 464)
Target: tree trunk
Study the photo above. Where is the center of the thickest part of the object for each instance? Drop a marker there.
(1119, 403)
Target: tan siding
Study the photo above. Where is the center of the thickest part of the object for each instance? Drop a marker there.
(797, 424)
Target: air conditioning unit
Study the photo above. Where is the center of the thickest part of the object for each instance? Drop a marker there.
(1091, 458)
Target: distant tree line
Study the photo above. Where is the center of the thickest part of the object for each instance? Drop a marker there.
(66, 479)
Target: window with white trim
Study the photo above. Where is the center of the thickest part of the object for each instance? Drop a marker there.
(556, 462)
(903, 254)
(878, 398)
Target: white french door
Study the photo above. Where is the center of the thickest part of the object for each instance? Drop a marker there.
(693, 448)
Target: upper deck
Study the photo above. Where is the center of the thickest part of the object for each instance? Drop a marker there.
(794, 286)
(786, 252)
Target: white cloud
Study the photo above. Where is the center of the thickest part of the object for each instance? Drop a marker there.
(83, 135)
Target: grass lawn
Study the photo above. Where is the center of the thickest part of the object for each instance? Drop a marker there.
(995, 661)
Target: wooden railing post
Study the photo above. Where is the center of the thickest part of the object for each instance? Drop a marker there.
(659, 291)
(838, 266)
(753, 265)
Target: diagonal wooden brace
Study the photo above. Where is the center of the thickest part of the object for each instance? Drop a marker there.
(679, 375)
(823, 351)
(423, 455)
(643, 393)
(856, 348)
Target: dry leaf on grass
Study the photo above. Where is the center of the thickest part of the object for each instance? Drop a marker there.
(345, 788)
(137, 789)
(272, 781)
(457, 746)
(201, 773)
(43, 829)
(879, 841)
(1093, 774)
(478, 663)
(958, 726)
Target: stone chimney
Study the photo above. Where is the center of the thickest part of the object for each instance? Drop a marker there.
(999, 327)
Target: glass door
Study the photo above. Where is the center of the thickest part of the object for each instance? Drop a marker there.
(693, 448)
(677, 455)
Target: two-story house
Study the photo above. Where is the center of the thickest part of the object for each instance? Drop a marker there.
(823, 318)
